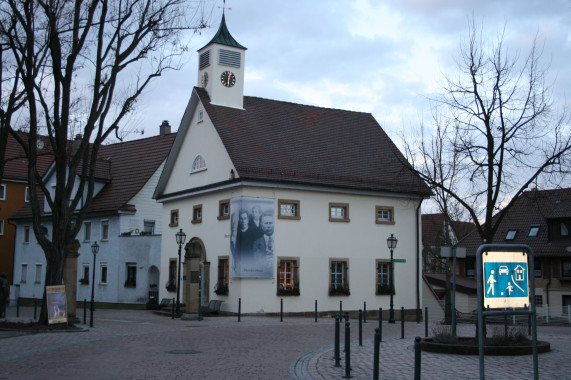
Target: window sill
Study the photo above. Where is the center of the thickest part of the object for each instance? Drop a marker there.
(339, 220)
(196, 221)
(173, 225)
(225, 217)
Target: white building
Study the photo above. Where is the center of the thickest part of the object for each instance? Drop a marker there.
(123, 219)
(334, 185)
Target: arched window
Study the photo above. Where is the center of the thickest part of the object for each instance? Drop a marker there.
(198, 164)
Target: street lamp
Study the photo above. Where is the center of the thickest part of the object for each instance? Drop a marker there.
(94, 249)
(180, 238)
(392, 244)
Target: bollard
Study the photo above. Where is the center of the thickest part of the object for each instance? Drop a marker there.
(529, 324)
(18, 307)
(239, 308)
(426, 322)
(365, 312)
(35, 309)
(337, 343)
(569, 313)
(281, 309)
(346, 316)
(315, 311)
(402, 322)
(376, 354)
(360, 327)
(505, 325)
(417, 353)
(380, 324)
(172, 308)
(341, 309)
(347, 350)
(84, 311)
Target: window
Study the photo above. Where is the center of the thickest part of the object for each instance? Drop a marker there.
(26, 234)
(538, 300)
(339, 281)
(223, 272)
(200, 116)
(1, 227)
(27, 194)
(224, 209)
(103, 273)
(384, 215)
(131, 281)
(288, 209)
(24, 274)
(229, 58)
(510, 235)
(537, 268)
(566, 268)
(38, 279)
(171, 284)
(564, 229)
(470, 268)
(2, 192)
(196, 214)
(383, 277)
(148, 227)
(104, 230)
(87, 231)
(533, 230)
(338, 212)
(199, 164)
(84, 280)
(204, 60)
(174, 218)
(288, 278)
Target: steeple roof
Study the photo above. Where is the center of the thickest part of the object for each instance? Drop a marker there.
(223, 37)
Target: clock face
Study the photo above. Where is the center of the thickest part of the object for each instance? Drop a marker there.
(204, 79)
(228, 79)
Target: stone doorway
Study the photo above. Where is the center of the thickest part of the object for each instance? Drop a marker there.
(196, 278)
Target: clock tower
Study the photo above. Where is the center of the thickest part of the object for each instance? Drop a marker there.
(221, 69)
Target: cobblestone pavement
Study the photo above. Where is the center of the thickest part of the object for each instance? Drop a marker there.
(137, 344)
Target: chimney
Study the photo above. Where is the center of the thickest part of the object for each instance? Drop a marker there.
(77, 142)
(165, 128)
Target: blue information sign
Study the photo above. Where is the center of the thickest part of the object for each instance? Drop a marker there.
(505, 279)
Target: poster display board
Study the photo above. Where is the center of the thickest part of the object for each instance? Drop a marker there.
(57, 305)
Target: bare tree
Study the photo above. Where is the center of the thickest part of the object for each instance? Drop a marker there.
(496, 131)
(77, 68)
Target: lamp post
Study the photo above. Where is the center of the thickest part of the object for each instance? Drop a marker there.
(392, 244)
(94, 249)
(180, 238)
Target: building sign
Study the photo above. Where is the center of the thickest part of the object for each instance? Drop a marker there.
(252, 237)
(57, 305)
(506, 281)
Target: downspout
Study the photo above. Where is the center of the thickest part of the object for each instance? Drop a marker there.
(548, 284)
(418, 258)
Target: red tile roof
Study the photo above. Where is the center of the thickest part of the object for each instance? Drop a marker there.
(534, 207)
(432, 225)
(16, 167)
(130, 164)
(278, 141)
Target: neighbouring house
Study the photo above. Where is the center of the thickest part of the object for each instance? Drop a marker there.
(283, 202)
(540, 219)
(438, 232)
(14, 193)
(123, 219)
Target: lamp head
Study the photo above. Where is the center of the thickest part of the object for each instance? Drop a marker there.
(180, 237)
(392, 242)
(94, 248)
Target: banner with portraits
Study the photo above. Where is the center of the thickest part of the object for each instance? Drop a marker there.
(252, 237)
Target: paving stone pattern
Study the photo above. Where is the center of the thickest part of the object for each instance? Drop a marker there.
(138, 344)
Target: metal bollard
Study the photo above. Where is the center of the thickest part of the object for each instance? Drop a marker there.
(346, 316)
(172, 308)
(84, 311)
(239, 308)
(337, 343)
(316, 311)
(35, 309)
(376, 354)
(281, 309)
(365, 312)
(341, 309)
(18, 307)
(347, 350)
(426, 322)
(360, 327)
(380, 324)
(402, 322)
(417, 354)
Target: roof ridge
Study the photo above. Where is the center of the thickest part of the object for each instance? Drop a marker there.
(307, 105)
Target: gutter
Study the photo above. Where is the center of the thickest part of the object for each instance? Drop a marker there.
(418, 258)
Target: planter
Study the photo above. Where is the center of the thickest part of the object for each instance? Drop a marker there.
(469, 346)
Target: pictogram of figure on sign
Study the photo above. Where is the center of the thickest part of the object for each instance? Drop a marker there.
(510, 288)
(491, 281)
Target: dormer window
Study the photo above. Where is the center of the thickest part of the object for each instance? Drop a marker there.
(199, 164)
(510, 235)
(533, 230)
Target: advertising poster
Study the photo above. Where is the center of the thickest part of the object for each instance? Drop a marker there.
(57, 306)
(252, 237)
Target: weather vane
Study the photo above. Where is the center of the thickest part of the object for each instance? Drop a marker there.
(224, 7)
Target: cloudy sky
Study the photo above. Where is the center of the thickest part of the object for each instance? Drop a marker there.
(383, 57)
